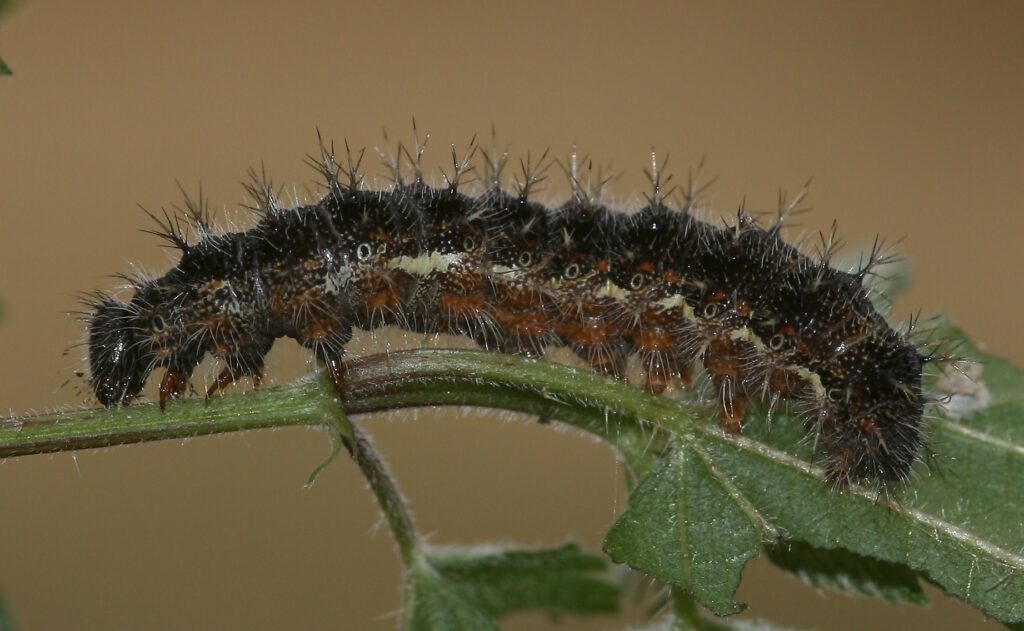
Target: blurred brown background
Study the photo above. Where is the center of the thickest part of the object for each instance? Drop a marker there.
(908, 115)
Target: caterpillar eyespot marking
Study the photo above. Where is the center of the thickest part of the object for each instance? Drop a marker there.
(658, 286)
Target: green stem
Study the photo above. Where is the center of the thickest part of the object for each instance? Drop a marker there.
(605, 407)
(608, 408)
(302, 404)
(397, 380)
(387, 493)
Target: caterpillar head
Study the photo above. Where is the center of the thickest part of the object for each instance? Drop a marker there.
(128, 340)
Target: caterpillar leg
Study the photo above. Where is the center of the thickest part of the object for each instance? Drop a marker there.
(329, 347)
(245, 362)
(172, 386)
(655, 345)
(723, 360)
(231, 374)
(523, 346)
(657, 372)
(733, 405)
(595, 341)
(606, 359)
(523, 332)
(336, 371)
(179, 371)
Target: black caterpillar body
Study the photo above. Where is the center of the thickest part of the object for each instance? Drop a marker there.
(761, 317)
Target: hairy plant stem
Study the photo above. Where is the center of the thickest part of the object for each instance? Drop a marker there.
(397, 380)
(387, 493)
(615, 411)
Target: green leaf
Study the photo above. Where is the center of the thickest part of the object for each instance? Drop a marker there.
(434, 604)
(685, 616)
(5, 5)
(845, 571)
(456, 589)
(6, 618)
(687, 525)
(958, 526)
(559, 580)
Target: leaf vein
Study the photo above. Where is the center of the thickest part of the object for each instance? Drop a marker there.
(756, 518)
(979, 436)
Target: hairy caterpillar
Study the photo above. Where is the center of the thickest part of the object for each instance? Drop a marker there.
(660, 285)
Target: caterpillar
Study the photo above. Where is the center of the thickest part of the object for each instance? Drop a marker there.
(659, 287)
